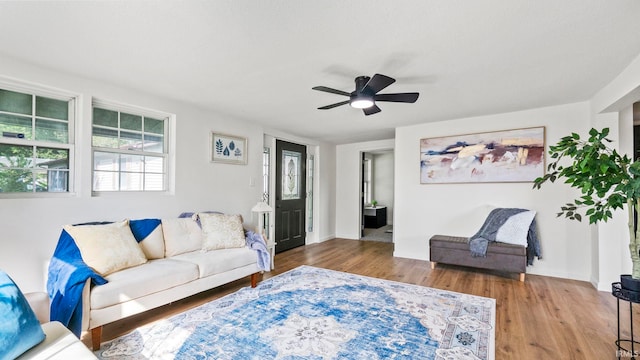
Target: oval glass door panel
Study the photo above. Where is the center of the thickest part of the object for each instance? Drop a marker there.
(291, 175)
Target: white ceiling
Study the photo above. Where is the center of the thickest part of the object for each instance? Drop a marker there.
(258, 60)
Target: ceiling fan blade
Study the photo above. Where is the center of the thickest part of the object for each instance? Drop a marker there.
(333, 105)
(377, 83)
(371, 110)
(399, 97)
(330, 90)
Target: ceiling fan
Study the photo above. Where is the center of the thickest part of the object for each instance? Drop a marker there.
(366, 94)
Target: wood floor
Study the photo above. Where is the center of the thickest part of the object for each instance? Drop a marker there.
(542, 318)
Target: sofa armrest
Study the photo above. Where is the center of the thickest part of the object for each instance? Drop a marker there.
(86, 305)
(59, 343)
(39, 303)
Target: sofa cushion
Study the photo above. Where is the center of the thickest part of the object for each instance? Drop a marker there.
(107, 248)
(221, 231)
(152, 277)
(20, 330)
(181, 235)
(60, 344)
(148, 233)
(218, 261)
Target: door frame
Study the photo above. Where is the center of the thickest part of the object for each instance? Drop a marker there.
(361, 205)
(312, 149)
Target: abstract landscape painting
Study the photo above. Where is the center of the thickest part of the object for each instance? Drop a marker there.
(499, 156)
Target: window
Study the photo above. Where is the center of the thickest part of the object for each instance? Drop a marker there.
(266, 173)
(36, 143)
(367, 180)
(310, 170)
(130, 151)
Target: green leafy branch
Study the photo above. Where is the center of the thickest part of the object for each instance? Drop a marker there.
(606, 179)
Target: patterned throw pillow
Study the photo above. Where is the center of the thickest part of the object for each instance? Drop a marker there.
(107, 248)
(19, 327)
(222, 231)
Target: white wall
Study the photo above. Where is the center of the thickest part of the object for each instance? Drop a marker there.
(383, 181)
(612, 107)
(325, 220)
(30, 227)
(459, 209)
(348, 157)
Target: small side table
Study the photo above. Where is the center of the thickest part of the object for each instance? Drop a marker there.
(625, 295)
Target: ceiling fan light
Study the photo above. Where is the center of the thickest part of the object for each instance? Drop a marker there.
(362, 103)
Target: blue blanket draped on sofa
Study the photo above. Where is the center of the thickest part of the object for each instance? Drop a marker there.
(68, 274)
(66, 279)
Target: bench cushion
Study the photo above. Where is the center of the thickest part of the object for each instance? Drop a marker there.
(454, 250)
(462, 243)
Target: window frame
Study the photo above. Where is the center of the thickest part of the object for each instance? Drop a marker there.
(167, 153)
(74, 102)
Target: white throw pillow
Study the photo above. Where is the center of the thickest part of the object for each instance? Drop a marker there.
(107, 248)
(222, 231)
(516, 228)
(181, 235)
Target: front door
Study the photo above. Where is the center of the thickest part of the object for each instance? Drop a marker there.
(291, 193)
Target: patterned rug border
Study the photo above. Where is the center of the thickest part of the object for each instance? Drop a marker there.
(474, 315)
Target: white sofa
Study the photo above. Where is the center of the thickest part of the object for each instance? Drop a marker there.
(180, 262)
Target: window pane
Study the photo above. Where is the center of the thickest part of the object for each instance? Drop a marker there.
(105, 181)
(104, 137)
(153, 164)
(54, 131)
(105, 117)
(131, 163)
(15, 102)
(52, 108)
(154, 182)
(154, 143)
(15, 180)
(131, 182)
(130, 122)
(16, 124)
(130, 141)
(55, 180)
(48, 158)
(105, 161)
(154, 126)
(129, 136)
(16, 156)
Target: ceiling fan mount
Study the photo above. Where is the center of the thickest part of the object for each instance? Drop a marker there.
(366, 94)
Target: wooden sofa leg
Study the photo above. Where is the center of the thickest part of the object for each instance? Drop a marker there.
(254, 280)
(96, 334)
(522, 277)
(433, 265)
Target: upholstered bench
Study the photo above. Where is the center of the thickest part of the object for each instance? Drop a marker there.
(454, 250)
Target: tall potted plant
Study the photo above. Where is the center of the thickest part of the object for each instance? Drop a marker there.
(607, 181)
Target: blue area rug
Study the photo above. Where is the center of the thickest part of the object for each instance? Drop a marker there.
(313, 313)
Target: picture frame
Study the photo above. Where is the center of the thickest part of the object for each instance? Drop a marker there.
(516, 155)
(228, 149)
